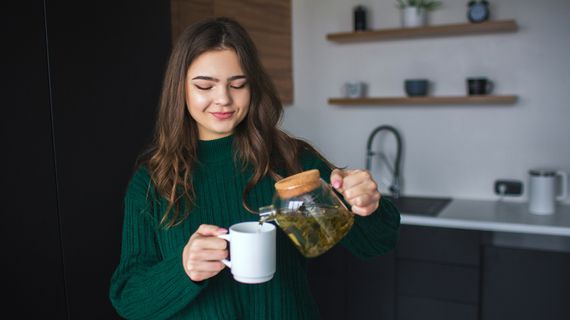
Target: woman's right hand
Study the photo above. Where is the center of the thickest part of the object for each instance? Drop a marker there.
(202, 254)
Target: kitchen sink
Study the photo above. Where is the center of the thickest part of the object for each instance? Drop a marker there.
(425, 206)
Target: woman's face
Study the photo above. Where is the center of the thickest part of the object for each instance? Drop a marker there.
(217, 93)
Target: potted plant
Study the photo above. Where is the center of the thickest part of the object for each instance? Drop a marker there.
(414, 12)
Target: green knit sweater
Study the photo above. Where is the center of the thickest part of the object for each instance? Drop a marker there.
(150, 282)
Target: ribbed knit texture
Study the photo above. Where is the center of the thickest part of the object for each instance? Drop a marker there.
(150, 282)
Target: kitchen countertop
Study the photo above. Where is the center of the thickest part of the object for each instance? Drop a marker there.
(502, 216)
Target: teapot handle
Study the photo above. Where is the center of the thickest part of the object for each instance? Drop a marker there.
(564, 185)
(336, 195)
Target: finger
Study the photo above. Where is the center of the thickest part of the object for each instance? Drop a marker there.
(210, 230)
(336, 179)
(207, 255)
(356, 177)
(364, 211)
(205, 243)
(365, 200)
(365, 187)
(205, 266)
(201, 276)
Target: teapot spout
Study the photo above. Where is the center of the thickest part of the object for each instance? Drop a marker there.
(267, 213)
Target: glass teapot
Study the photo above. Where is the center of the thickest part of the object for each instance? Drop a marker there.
(308, 210)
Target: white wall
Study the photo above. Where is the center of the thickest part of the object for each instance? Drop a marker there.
(457, 150)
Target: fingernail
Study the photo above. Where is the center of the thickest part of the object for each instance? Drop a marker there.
(336, 184)
(223, 230)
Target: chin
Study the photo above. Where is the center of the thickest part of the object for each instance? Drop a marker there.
(223, 133)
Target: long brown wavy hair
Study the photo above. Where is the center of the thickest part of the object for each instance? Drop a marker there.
(257, 139)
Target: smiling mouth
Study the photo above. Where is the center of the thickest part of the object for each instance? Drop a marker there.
(222, 115)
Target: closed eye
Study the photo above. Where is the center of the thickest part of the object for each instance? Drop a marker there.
(239, 86)
(203, 87)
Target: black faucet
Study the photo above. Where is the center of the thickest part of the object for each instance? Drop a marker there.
(395, 187)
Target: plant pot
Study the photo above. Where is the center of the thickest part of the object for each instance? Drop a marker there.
(413, 17)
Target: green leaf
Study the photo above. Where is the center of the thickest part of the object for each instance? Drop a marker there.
(428, 5)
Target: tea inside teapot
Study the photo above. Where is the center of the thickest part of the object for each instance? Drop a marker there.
(309, 212)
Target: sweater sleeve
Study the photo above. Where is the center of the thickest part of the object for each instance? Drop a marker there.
(369, 236)
(375, 234)
(145, 285)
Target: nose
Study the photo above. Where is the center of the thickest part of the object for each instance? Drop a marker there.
(223, 96)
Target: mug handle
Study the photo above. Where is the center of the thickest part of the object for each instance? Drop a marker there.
(564, 185)
(226, 237)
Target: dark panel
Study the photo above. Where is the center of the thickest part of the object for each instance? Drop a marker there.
(327, 280)
(413, 308)
(439, 245)
(32, 267)
(420, 205)
(440, 281)
(107, 59)
(525, 284)
(371, 287)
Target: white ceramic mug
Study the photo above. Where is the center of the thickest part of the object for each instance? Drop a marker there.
(542, 195)
(252, 251)
(355, 89)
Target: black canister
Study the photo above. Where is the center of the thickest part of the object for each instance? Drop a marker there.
(359, 18)
(479, 86)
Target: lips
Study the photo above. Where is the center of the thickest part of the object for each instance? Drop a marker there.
(222, 115)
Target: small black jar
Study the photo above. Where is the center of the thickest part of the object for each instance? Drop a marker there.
(360, 18)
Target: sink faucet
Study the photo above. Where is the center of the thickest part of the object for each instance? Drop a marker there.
(395, 188)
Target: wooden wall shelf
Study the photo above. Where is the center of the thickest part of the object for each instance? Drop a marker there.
(488, 99)
(429, 31)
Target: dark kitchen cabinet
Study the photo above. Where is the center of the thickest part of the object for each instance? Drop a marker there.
(371, 287)
(445, 273)
(454, 283)
(347, 287)
(410, 307)
(32, 267)
(438, 273)
(107, 61)
(525, 284)
(80, 87)
(434, 273)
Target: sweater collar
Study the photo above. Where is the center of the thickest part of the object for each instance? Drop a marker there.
(215, 150)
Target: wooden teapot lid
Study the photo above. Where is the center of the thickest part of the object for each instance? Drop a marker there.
(298, 184)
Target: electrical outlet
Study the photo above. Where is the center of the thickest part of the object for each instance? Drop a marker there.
(508, 187)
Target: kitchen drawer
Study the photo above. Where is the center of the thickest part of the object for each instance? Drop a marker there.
(371, 287)
(440, 245)
(525, 284)
(439, 281)
(414, 308)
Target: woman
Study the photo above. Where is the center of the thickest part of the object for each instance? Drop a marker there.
(216, 154)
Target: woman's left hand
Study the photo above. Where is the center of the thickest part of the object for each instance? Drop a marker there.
(358, 189)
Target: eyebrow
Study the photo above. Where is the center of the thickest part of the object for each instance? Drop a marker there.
(232, 78)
